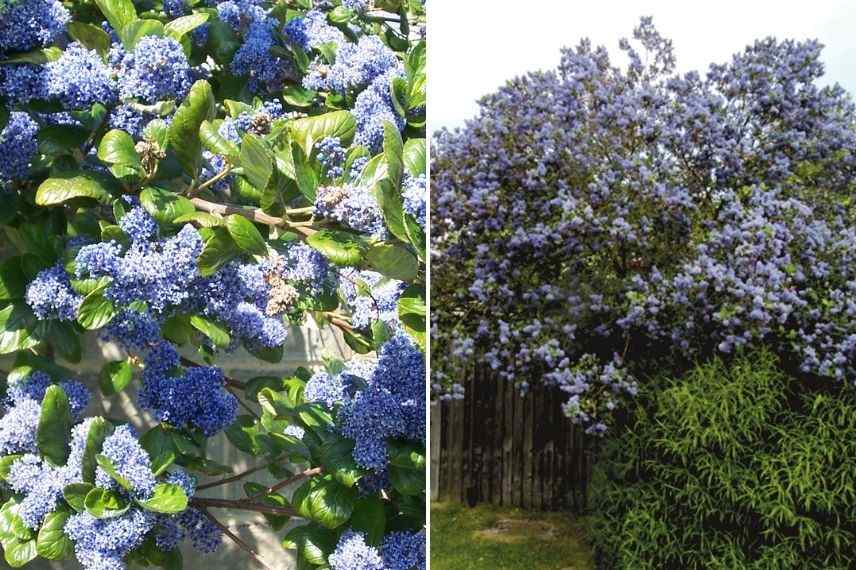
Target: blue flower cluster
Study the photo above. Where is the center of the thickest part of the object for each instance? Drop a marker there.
(18, 145)
(377, 402)
(352, 206)
(22, 408)
(50, 295)
(240, 296)
(266, 71)
(661, 215)
(400, 551)
(356, 66)
(130, 461)
(331, 156)
(79, 79)
(156, 70)
(30, 24)
(311, 31)
(373, 107)
(22, 83)
(369, 297)
(193, 398)
(415, 193)
(157, 272)
(304, 269)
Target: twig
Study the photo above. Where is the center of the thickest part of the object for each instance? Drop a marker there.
(211, 181)
(285, 483)
(254, 214)
(242, 402)
(241, 505)
(237, 539)
(234, 383)
(239, 476)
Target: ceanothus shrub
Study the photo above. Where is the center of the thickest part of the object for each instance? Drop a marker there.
(189, 178)
(595, 225)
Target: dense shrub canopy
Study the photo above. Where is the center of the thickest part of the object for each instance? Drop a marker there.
(734, 467)
(190, 178)
(596, 223)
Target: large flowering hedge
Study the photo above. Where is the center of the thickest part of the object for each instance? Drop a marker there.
(598, 225)
(201, 175)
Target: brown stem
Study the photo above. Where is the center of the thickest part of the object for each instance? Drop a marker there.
(229, 381)
(236, 539)
(211, 181)
(285, 483)
(238, 476)
(253, 214)
(241, 505)
(243, 404)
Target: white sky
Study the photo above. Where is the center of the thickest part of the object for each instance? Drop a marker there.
(476, 45)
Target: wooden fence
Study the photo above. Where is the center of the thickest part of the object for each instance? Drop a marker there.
(499, 447)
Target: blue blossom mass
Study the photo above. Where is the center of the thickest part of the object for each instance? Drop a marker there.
(660, 214)
(157, 69)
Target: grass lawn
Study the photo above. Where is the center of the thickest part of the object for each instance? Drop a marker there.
(502, 538)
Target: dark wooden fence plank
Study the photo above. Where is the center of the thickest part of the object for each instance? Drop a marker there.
(499, 447)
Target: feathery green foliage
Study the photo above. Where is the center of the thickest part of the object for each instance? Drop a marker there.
(734, 466)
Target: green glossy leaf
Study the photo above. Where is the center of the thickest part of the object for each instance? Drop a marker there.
(341, 248)
(256, 160)
(393, 153)
(407, 468)
(75, 185)
(54, 426)
(90, 36)
(219, 250)
(13, 282)
(312, 542)
(12, 526)
(165, 206)
(95, 311)
(336, 456)
(115, 377)
(223, 42)
(17, 328)
(310, 130)
(202, 219)
(298, 96)
(213, 141)
(218, 334)
(198, 106)
(167, 498)
(244, 434)
(370, 518)
(412, 312)
(117, 147)
(325, 501)
(185, 24)
(119, 13)
(304, 175)
(246, 235)
(160, 447)
(392, 205)
(133, 32)
(393, 260)
(105, 504)
(19, 553)
(106, 464)
(75, 495)
(99, 429)
(52, 543)
(415, 156)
